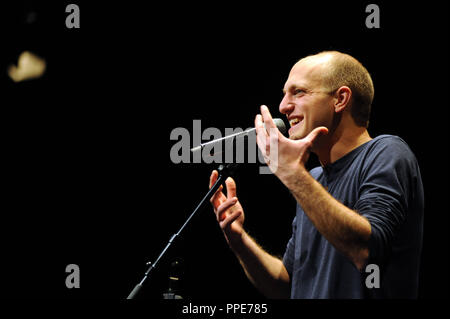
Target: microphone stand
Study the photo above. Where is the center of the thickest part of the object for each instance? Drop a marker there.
(224, 173)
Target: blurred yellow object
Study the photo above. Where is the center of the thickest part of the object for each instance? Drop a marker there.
(29, 66)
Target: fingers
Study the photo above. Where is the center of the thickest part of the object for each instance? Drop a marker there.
(264, 122)
(227, 204)
(261, 135)
(231, 187)
(218, 196)
(222, 204)
(259, 122)
(311, 137)
(261, 132)
(267, 132)
(229, 182)
(267, 118)
(213, 178)
(230, 219)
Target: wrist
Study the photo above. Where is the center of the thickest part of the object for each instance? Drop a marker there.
(238, 243)
(294, 176)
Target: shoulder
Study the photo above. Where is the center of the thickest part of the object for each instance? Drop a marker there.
(388, 153)
(390, 146)
(389, 141)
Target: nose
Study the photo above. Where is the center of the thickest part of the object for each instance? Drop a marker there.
(286, 105)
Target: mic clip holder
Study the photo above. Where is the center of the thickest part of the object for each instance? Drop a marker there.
(224, 172)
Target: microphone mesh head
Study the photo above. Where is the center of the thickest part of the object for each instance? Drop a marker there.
(280, 125)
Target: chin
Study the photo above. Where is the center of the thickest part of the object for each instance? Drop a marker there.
(296, 136)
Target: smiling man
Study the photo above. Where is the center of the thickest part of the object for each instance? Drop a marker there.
(363, 205)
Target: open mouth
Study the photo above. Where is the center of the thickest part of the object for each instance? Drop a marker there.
(295, 122)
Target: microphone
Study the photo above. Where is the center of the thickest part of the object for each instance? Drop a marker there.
(278, 122)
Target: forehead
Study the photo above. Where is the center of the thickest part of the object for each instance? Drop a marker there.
(307, 73)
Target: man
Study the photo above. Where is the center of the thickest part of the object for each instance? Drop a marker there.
(363, 205)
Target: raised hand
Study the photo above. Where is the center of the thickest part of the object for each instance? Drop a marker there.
(283, 155)
(228, 210)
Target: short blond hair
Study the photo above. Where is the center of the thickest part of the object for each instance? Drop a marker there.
(344, 70)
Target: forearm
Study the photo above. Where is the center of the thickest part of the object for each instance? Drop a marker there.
(344, 228)
(265, 271)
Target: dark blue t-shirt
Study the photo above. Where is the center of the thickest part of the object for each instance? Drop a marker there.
(381, 181)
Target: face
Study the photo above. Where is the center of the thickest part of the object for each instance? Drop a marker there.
(306, 103)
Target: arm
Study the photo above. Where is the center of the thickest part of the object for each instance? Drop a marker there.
(265, 271)
(343, 228)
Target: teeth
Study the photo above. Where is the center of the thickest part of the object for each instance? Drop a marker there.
(294, 121)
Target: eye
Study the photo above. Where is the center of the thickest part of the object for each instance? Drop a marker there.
(299, 92)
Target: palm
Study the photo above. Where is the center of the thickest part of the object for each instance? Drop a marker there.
(228, 210)
(282, 155)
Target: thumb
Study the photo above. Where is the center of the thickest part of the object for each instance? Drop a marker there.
(311, 137)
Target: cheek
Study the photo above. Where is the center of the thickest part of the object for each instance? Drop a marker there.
(321, 115)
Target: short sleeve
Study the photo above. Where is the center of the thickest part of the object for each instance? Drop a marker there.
(384, 193)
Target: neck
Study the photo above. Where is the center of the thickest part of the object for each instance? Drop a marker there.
(342, 141)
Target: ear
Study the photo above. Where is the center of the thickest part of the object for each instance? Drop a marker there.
(342, 98)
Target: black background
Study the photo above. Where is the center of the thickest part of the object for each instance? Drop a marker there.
(87, 177)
